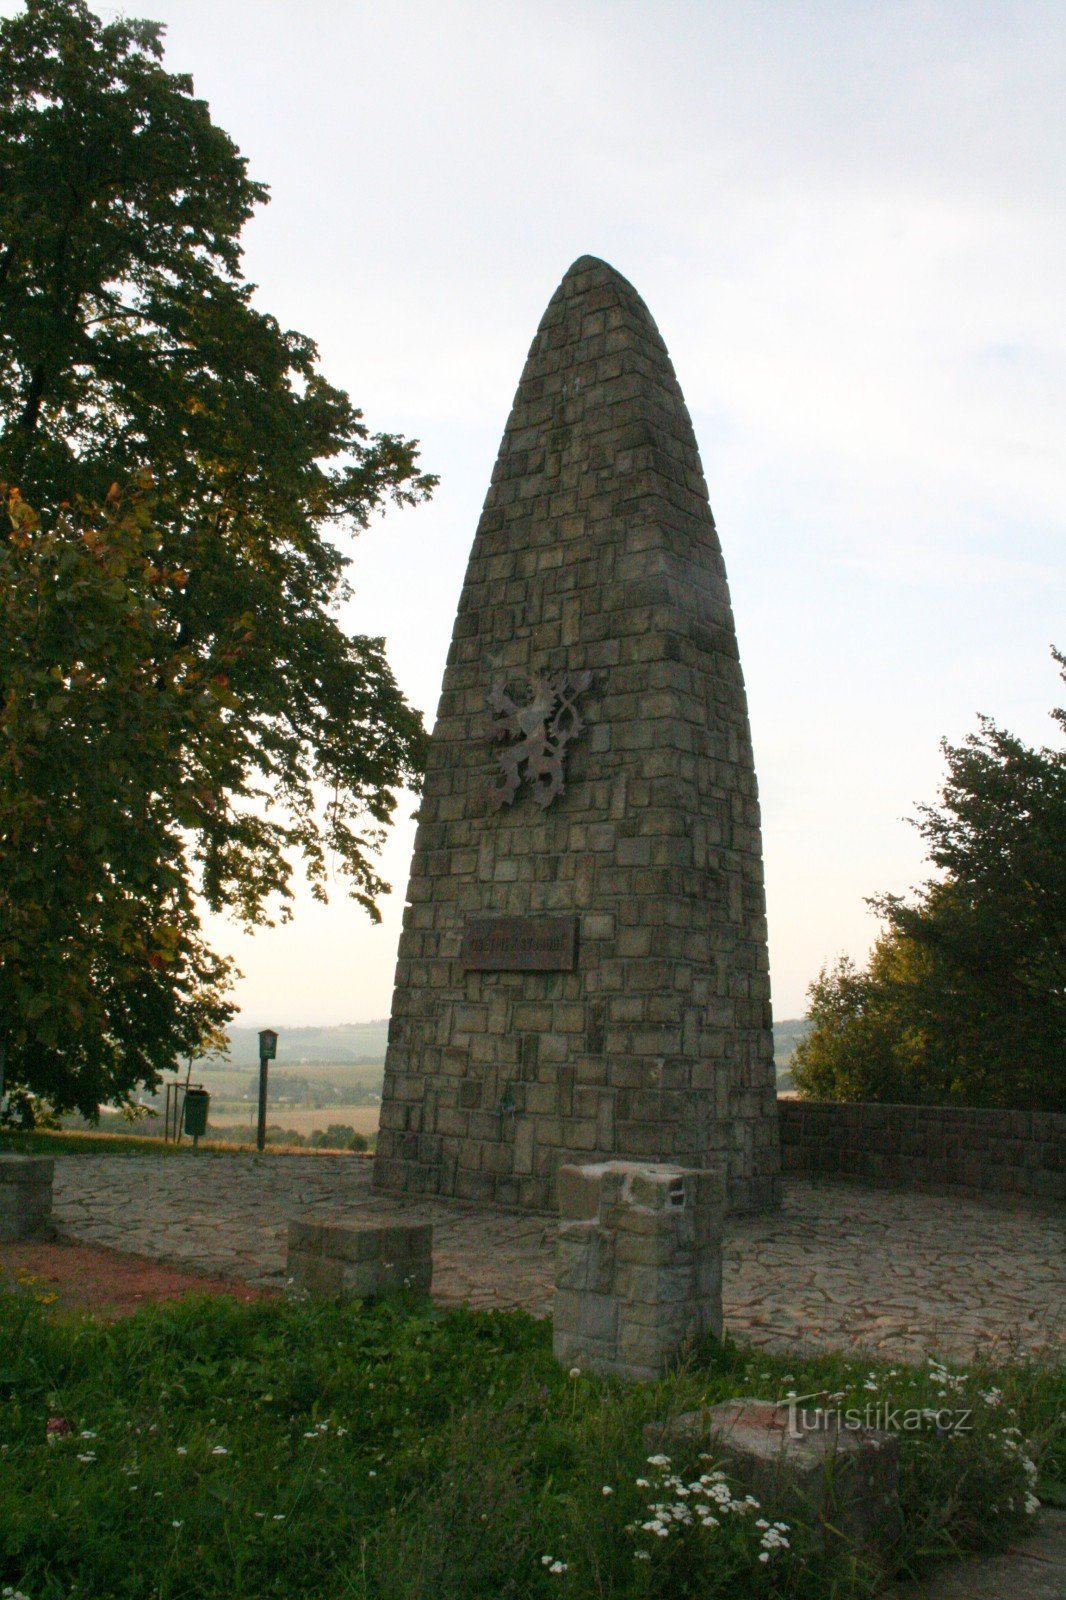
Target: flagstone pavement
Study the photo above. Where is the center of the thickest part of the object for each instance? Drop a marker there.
(838, 1267)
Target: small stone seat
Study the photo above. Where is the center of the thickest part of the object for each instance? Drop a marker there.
(359, 1260)
(25, 1196)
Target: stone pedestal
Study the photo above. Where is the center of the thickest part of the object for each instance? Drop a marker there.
(638, 1266)
(25, 1195)
(800, 1463)
(359, 1261)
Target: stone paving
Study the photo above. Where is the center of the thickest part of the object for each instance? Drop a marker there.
(837, 1267)
(1033, 1569)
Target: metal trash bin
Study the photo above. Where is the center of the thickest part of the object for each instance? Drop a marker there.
(196, 1104)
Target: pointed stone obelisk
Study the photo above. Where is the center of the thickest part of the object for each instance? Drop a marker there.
(583, 971)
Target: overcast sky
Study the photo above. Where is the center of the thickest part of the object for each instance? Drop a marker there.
(846, 219)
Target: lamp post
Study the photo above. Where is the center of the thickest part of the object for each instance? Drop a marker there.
(268, 1049)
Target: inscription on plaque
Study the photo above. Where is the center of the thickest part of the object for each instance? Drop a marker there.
(520, 944)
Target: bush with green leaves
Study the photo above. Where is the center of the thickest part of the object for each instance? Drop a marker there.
(963, 1000)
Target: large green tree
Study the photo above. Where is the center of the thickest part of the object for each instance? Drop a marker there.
(104, 976)
(964, 997)
(131, 349)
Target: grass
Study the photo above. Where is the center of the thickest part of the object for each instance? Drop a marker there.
(50, 1142)
(311, 1451)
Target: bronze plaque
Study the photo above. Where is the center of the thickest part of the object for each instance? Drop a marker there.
(520, 944)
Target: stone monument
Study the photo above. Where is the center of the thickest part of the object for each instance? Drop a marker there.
(582, 972)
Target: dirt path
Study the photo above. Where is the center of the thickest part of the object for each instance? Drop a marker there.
(109, 1284)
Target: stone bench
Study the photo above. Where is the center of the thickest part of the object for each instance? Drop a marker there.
(25, 1196)
(359, 1260)
(638, 1265)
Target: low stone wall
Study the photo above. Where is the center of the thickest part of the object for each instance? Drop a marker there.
(1011, 1153)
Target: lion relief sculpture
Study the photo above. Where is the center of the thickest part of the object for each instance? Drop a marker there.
(539, 725)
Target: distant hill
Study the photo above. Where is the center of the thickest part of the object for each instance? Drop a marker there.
(363, 1044)
(347, 1043)
(787, 1036)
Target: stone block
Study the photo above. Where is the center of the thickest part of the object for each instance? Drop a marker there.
(598, 1318)
(359, 1261)
(315, 1274)
(808, 1464)
(638, 1265)
(25, 1196)
(578, 1190)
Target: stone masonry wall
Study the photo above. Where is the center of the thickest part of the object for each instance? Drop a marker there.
(596, 552)
(1021, 1153)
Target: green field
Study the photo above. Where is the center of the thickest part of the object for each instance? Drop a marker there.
(349, 1082)
(299, 1101)
(362, 1118)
